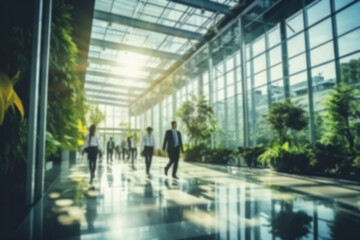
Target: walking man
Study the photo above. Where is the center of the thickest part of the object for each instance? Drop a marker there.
(110, 149)
(147, 148)
(173, 145)
(124, 148)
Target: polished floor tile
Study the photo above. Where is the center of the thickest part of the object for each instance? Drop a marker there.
(207, 202)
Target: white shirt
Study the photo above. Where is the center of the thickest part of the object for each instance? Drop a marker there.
(132, 143)
(93, 142)
(148, 141)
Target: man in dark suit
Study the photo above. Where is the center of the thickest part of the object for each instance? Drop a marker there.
(173, 145)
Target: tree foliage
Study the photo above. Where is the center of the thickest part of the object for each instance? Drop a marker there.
(342, 118)
(350, 71)
(284, 116)
(95, 115)
(198, 117)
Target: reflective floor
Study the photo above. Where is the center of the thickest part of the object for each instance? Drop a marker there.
(207, 202)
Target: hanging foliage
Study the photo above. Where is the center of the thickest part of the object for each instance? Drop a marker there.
(66, 95)
(8, 96)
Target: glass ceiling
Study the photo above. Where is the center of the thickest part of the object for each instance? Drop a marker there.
(125, 59)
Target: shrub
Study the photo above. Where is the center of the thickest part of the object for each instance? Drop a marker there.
(327, 157)
(195, 154)
(160, 153)
(219, 156)
(251, 154)
(284, 159)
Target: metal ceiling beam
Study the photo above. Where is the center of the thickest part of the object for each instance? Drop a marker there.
(100, 97)
(117, 64)
(117, 76)
(206, 5)
(110, 92)
(135, 49)
(111, 85)
(108, 103)
(155, 27)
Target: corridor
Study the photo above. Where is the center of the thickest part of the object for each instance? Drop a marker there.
(219, 203)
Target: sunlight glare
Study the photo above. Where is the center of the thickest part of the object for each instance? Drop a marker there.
(130, 64)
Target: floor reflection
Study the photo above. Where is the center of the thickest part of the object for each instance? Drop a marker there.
(124, 203)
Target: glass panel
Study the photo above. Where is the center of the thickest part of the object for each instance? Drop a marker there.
(299, 94)
(259, 46)
(259, 63)
(297, 64)
(318, 10)
(261, 107)
(231, 130)
(275, 55)
(296, 45)
(229, 63)
(260, 79)
(277, 91)
(298, 86)
(276, 72)
(274, 36)
(230, 78)
(341, 3)
(320, 33)
(323, 78)
(348, 19)
(349, 43)
(322, 54)
(230, 91)
(219, 83)
(295, 24)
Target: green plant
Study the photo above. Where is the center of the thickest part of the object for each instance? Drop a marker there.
(8, 96)
(198, 118)
(342, 116)
(218, 156)
(283, 116)
(51, 145)
(160, 153)
(282, 158)
(273, 156)
(195, 153)
(327, 157)
(251, 154)
(95, 115)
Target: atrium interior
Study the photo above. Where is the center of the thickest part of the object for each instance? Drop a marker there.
(180, 119)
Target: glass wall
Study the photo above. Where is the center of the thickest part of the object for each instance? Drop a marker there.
(300, 57)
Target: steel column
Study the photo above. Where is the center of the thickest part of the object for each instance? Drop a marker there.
(211, 87)
(244, 82)
(236, 97)
(33, 104)
(285, 59)
(253, 108)
(44, 77)
(309, 76)
(336, 42)
(225, 101)
(201, 85)
(268, 64)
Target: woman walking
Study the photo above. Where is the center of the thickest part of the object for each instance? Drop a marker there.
(132, 150)
(92, 147)
(147, 148)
